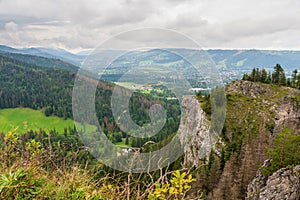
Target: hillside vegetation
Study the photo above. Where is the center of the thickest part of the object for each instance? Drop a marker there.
(256, 114)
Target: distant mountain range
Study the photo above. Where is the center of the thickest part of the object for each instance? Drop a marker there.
(223, 58)
(61, 54)
(256, 58)
(231, 63)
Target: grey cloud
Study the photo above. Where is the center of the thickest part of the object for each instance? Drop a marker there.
(250, 27)
(185, 21)
(76, 24)
(24, 20)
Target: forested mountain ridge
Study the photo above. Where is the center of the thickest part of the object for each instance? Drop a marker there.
(47, 53)
(23, 84)
(39, 61)
(29, 85)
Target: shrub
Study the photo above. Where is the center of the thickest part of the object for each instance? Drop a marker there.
(176, 189)
(284, 153)
(20, 184)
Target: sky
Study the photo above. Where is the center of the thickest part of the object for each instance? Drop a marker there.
(78, 25)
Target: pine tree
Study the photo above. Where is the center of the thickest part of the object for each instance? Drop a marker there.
(127, 140)
(278, 76)
(294, 78)
(264, 76)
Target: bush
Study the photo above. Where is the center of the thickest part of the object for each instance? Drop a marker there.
(284, 153)
(20, 184)
(176, 189)
(270, 126)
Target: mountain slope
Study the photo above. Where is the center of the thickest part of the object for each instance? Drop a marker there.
(23, 84)
(40, 61)
(255, 113)
(251, 125)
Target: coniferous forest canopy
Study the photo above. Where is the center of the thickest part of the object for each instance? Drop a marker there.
(50, 90)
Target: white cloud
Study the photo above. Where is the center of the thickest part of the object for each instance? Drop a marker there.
(11, 26)
(75, 24)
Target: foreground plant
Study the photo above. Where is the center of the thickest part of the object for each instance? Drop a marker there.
(20, 184)
(177, 188)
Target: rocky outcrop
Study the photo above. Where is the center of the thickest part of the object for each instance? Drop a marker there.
(283, 184)
(249, 89)
(194, 132)
(288, 114)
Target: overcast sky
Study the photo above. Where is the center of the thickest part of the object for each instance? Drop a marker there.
(78, 25)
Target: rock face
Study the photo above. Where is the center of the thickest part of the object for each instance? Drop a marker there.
(288, 115)
(283, 184)
(248, 88)
(194, 132)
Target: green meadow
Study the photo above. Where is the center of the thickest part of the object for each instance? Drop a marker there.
(25, 119)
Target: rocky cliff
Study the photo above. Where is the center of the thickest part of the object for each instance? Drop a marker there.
(194, 132)
(255, 113)
(283, 184)
(288, 113)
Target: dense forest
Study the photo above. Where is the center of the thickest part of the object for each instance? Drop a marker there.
(50, 89)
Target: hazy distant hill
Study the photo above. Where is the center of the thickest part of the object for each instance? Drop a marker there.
(40, 61)
(223, 58)
(48, 53)
(256, 58)
(231, 63)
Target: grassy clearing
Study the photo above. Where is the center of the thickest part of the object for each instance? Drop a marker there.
(129, 84)
(122, 144)
(26, 119)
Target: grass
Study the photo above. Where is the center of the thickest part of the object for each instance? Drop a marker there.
(154, 69)
(122, 144)
(146, 91)
(26, 119)
(129, 84)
